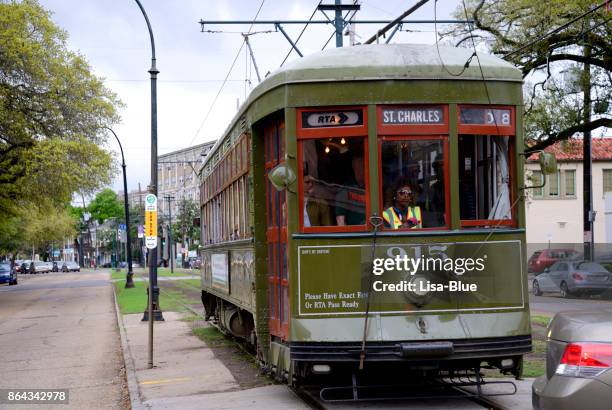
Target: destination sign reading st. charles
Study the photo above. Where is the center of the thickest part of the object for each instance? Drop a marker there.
(412, 115)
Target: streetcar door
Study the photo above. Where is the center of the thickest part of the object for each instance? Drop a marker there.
(276, 233)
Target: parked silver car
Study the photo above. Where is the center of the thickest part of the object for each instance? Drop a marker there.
(573, 278)
(39, 267)
(578, 363)
(70, 267)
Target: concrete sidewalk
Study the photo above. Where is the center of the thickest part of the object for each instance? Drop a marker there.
(187, 375)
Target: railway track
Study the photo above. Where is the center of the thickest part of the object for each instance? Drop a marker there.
(309, 395)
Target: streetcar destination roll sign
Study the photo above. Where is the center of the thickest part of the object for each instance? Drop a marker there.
(412, 115)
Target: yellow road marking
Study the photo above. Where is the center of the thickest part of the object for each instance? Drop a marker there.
(177, 380)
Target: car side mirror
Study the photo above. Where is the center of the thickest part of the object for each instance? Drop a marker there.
(281, 177)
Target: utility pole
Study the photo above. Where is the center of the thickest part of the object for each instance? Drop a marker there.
(170, 244)
(587, 162)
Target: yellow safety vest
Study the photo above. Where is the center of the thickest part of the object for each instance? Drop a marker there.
(394, 220)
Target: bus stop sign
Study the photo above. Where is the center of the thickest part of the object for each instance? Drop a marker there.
(151, 221)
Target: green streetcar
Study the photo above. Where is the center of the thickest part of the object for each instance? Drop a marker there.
(364, 210)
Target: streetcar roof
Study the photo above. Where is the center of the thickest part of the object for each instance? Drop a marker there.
(371, 62)
(395, 61)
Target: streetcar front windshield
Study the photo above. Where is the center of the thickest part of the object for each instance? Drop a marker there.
(334, 182)
(413, 183)
(484, 178)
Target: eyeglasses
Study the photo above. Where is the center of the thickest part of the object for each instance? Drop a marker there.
(404, 192)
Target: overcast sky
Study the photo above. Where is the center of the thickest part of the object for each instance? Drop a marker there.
(113, 37)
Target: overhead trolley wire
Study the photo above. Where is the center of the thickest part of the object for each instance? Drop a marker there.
(558, 29)
(469, 60)
(212, 105)
(302, 32)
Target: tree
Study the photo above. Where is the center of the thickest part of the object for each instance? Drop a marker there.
(51, 111)
(105, 205)
(559, 67)
(184, 229)
(44, 224)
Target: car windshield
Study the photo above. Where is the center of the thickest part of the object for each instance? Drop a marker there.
(591, 267)
(5, 267)
(563, 254)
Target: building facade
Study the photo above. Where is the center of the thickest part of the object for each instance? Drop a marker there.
(177, 176)
(554, 212)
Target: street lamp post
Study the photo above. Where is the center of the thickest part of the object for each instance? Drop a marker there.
(129, 282)
(153, 312)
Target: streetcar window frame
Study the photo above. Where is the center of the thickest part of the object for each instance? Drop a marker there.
(335, 227)
(358, 131)
(225, 213)
(446, 175)
(486, 130)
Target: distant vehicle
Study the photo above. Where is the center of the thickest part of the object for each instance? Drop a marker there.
(39, 267)
(18, 263)
(7, 274)
(70, 267)
(573, 278)
(578, 362)
(25, 266)
(544, 258)
(56, 266)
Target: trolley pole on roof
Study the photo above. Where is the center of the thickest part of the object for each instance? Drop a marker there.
(395, 22)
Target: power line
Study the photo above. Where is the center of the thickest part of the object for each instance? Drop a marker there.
(558, 29)
(302, 32)
(212, 105)
(469, 60)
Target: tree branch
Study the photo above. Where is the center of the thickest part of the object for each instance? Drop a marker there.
(568, 132)
(541, 61)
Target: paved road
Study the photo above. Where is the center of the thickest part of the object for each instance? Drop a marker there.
(60, 331)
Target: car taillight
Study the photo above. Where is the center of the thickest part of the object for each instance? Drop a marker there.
(585, 360)
(577, 276)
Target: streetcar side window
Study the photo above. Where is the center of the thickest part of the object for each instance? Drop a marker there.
(484, 179)
(333, 182)
(413, 183)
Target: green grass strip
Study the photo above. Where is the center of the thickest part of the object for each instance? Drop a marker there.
(134, 300)
(540, 320)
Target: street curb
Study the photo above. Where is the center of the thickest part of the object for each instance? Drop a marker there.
(128, 360)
